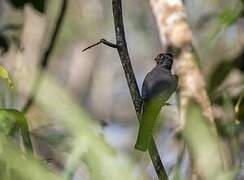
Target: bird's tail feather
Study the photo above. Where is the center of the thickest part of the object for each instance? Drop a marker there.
(142, 140)
(147, 124)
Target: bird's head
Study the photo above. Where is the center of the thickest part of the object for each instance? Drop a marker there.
(166, 59)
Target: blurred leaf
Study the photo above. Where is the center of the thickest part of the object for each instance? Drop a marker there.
(21, 123)
(53, 135)
(229, 16)
(6, 123)
(102, 160)
(219, 74)
(4, 44)
(78, 152)
(10, 118)
(5, 76)
(23, 166)
(203, 143)
(177, 173)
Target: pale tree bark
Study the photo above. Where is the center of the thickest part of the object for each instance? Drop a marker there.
(175, 34)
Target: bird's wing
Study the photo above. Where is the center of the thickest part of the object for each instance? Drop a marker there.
(151, 86)
(145, 87)
(176, 79)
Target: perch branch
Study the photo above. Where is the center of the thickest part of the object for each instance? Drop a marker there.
(131, 80)
(121, 47)
(45, 57)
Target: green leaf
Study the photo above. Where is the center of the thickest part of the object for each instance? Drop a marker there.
(11, 118)
(5, 76)
(229, 16)
(7, 123)
(102, 161)
(203, 143)
(23, 166)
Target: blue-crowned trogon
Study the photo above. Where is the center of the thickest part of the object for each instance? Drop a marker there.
(157, 87)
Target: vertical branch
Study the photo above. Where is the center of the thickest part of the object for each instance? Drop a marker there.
(131, 80)
(124, 56)
(45, 57)
(121, 47)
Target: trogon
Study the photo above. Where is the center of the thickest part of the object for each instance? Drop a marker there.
(158, 86)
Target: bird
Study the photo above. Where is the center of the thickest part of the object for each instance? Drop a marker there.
(158, 85)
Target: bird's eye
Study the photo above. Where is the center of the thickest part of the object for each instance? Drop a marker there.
(161, 56)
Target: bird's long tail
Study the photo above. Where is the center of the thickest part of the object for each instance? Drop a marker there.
(148, 119)
(143, 138)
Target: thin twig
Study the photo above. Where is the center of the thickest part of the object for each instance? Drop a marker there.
(102, 41)
(45, 58)
(131, 80)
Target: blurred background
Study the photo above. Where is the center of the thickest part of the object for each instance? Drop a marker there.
(83, 124)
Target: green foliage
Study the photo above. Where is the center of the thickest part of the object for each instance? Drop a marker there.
(14, 164)
(88, 145)
(203, 143)
(229, 16)
(7, 123)
(10, 121)
(5, 76)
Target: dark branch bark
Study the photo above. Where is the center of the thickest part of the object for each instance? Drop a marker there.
(45, 57)
(102, 41)
(131, 80)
